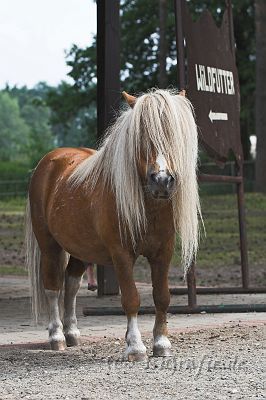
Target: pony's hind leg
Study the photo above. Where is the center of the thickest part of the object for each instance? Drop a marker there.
(53, 263)
(135, 351)
(55, 327)
(73, 277)
(161, 296)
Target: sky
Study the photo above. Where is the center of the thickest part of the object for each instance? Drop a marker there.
(34, 35)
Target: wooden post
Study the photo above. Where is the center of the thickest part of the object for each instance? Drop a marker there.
(191, 285)
(191, 278)
(108, 98)
(242, 230)
(180, 45)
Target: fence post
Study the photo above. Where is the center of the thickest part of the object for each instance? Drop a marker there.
(108, 98)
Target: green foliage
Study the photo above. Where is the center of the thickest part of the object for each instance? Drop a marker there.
(139, 57)
(74, 106)
(83, 71)
(73, 115)
(81, 130)
(44, 117)
(36, 114)
(40, 140)
(13, 170)
(14, 132)
(14, 178)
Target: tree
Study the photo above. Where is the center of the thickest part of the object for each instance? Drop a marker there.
(36, 114)
(162, 43)
(244, 29)
(260, 7)
(41, 140)
(143, 55)
(75, 132)
(74, 106)
(14, 132)
(73, 114)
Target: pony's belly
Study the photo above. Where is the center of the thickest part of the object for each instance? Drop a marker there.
(91, 250)
(93, 257)
(79, 240)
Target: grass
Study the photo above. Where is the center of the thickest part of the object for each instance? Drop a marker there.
(11, 236)
(219, 248)
(13, 205)
(221, 245)
(12, 270)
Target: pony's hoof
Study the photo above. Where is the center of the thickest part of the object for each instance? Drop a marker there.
(136, 352)
(72, 340)
(58, 345)
(162, 352)
(136, 357)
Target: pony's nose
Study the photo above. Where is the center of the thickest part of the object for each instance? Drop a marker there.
(163, 180)
(171, 181)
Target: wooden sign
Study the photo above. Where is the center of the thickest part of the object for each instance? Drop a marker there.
(211, 81)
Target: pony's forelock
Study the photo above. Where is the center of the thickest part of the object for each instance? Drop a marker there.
(160, 120)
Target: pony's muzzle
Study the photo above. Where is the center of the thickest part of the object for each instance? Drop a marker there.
(161, 185)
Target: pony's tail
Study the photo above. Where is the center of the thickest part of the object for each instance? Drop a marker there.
(32, 264)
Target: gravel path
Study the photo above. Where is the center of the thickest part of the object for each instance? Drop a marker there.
(216, 356)
(221, 363)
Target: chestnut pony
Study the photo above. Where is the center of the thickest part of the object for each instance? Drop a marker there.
(109, 206)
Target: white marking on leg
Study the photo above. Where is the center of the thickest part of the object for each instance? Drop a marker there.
(133, 337)
(162, 342)
(72, 285)
(55, 326)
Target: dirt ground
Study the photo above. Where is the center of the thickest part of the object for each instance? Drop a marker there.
(215, 356)
(218, 363)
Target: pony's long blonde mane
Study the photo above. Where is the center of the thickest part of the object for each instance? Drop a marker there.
(163, 121)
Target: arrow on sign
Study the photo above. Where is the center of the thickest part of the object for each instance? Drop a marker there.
(215, 116)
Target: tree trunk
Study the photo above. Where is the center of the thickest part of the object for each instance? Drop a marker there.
(260, 20)
(162, 43)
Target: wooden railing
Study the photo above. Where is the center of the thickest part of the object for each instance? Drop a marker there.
(13, 188)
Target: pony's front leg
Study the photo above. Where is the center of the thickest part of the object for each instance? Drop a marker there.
(73, 276)
(161, 296)
(135, 351)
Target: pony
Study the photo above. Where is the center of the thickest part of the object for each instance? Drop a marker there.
(129, 198)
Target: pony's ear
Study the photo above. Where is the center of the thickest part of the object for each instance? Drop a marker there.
(131, 100)
(182, 93)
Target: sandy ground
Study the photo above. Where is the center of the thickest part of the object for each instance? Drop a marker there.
(215, 356)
